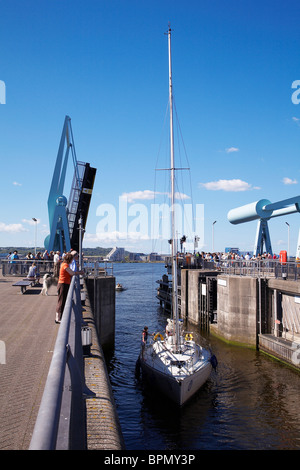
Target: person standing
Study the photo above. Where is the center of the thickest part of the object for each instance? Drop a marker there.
(145, 334)
(74, 262)
(13, 258)
(64, 281)
(56, 260)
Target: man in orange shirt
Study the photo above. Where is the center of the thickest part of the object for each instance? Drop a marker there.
(64, 282)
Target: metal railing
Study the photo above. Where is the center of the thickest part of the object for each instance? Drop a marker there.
(61, 422)
(264, 268)
(253, 268)
(20, 267)
(95, 268)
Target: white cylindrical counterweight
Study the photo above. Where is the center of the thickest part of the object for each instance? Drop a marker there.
(249, 212)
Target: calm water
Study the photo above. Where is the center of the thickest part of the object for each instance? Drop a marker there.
(251, 402)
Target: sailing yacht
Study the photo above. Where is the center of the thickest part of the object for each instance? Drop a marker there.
(174, 363)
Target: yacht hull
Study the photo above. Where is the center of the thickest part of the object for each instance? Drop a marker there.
(179, 390)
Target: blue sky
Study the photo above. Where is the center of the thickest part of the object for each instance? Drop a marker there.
(105, 64)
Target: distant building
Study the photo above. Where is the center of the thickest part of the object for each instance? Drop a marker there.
(135, 256)
(154, 257)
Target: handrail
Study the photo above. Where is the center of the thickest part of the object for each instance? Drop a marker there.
(95, 267)
(60, 422)
(20, 267)
(253, 268)
(261, 268)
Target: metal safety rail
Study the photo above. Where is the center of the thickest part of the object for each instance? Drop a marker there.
(61, 423)
(95, 268)
(264, 268)
(253, 268)
(21, 267)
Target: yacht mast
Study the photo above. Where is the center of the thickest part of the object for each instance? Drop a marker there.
(174, 260)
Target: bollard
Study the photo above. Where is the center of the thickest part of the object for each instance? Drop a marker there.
(86, 339)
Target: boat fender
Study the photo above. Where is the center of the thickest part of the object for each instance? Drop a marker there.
(158, 335)
(214, 361)
(188, 337)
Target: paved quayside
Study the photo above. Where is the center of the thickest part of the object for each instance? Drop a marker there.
(29, 332)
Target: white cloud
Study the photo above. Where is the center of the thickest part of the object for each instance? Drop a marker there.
(180, 196)
(147, 194)
(12, 228)
(289, 181)
(232, 149)
(234, 185)
(296, 120)
(280, 243)
(15, 183)
(30, 221)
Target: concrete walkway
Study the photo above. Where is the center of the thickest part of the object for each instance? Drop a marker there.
(28, 329)
(29, 332)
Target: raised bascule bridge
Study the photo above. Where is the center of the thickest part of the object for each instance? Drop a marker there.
(65, 215)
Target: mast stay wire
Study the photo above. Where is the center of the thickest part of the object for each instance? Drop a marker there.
(155, 172)
(180, 136)
(180, 145)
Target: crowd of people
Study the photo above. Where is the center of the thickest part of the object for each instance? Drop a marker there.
(46, 256)
(199, 259)
(64, 267)
(234, 256)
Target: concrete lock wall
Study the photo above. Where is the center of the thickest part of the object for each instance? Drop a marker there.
(189, 295)
(193, 297)
(102, 297)
(191, 290)
(237, 309)
(262, 313)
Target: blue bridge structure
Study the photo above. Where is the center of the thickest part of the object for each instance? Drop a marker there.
(263, 211)
(65, 215)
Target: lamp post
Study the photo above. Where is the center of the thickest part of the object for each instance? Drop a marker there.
(288, 256)
(213, 224)
(35, 235)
